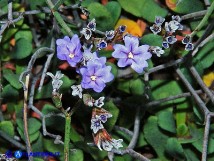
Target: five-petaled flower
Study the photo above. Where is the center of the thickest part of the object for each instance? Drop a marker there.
(95, 74)
(69, 49)
(132, 54)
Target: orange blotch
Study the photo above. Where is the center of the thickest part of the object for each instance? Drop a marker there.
(3, 107)
(171, 4)
(131, 27)
(12, 42)
(142, 25)
(104, 2)
(208, 79)
(9, 65)
(64, 66)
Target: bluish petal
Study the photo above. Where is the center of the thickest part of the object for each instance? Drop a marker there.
(124, 62)
(62, 52)
(139, 67)
(131, 42)
(120, 51)
(141, 49)
(98, 86)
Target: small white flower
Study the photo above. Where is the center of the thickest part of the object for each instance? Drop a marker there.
(88, 100)
(96, 124)
(106, 145)
(157, 50)
(99, 102)
(155, 29)
(117, 143)
(171, 39)
(159, 20)
(77, 90)
(86, 32)
(172, 26)
(176, 18)
(109, 34)
(92, 25)
(56, 82)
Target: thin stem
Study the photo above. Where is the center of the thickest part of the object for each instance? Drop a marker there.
(194, 15)
(206, 138)
(170, 98)
(201, 83)
(10, 11)
(207, 2)
(58, 4)
(204, 20)
(136, 129)
(11, 140)
(209, 38)
(27, 139)
(67, 136)
(192, 91)
(126, 131)
(59, 18)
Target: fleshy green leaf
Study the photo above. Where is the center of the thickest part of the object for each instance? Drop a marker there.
(166, 121)
(7, 127)
(23, 49)
(110, 106)
(152, 40)
(143, 9)
(155, 137)
(24, 32)
(9, 92)
(115, 9)
(174, 148)
(136, 87)
(12, 78)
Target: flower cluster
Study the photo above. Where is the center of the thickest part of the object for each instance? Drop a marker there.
(170, 29)
(132, 54)
(95, 74)
(100, 116)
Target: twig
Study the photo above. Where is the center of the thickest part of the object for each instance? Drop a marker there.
(45, 132)
(131, 152)
(206, 138)
(39, 53)
(201, 83)
(194, 15)
(126, 131)
(10, 11)
(204, 20)
(27, 139)
(158, 102)
(11, 140)
(207, 2)
(209, 38)
(47, 63)
(136, 129)
(192, 91)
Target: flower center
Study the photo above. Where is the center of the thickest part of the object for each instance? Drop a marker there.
(71, 55)
(93, 77)
(130, 55)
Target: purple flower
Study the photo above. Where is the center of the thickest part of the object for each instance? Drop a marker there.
(69, 49)
(132, 54)
(95, 74)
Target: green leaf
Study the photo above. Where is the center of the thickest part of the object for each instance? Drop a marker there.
(24, 32)
(163, 89)
(37, 146)
(155, 137)
(143, 9)
(136, 86)
(102, 16)
(190, 154)
(182, 130)
(166, 121)
(187, 6)
(9, 92)
(32, 137)
(7, 127)
(33, 125)
(23, 49)
(152, 40)
(77, 155)
(74, 136)
(115, 10)
(205, 55)
(51, 122)
(193, 135)
(110, 106)
(12, 78)
(114, 69)
(174, 148)
(123, 85)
